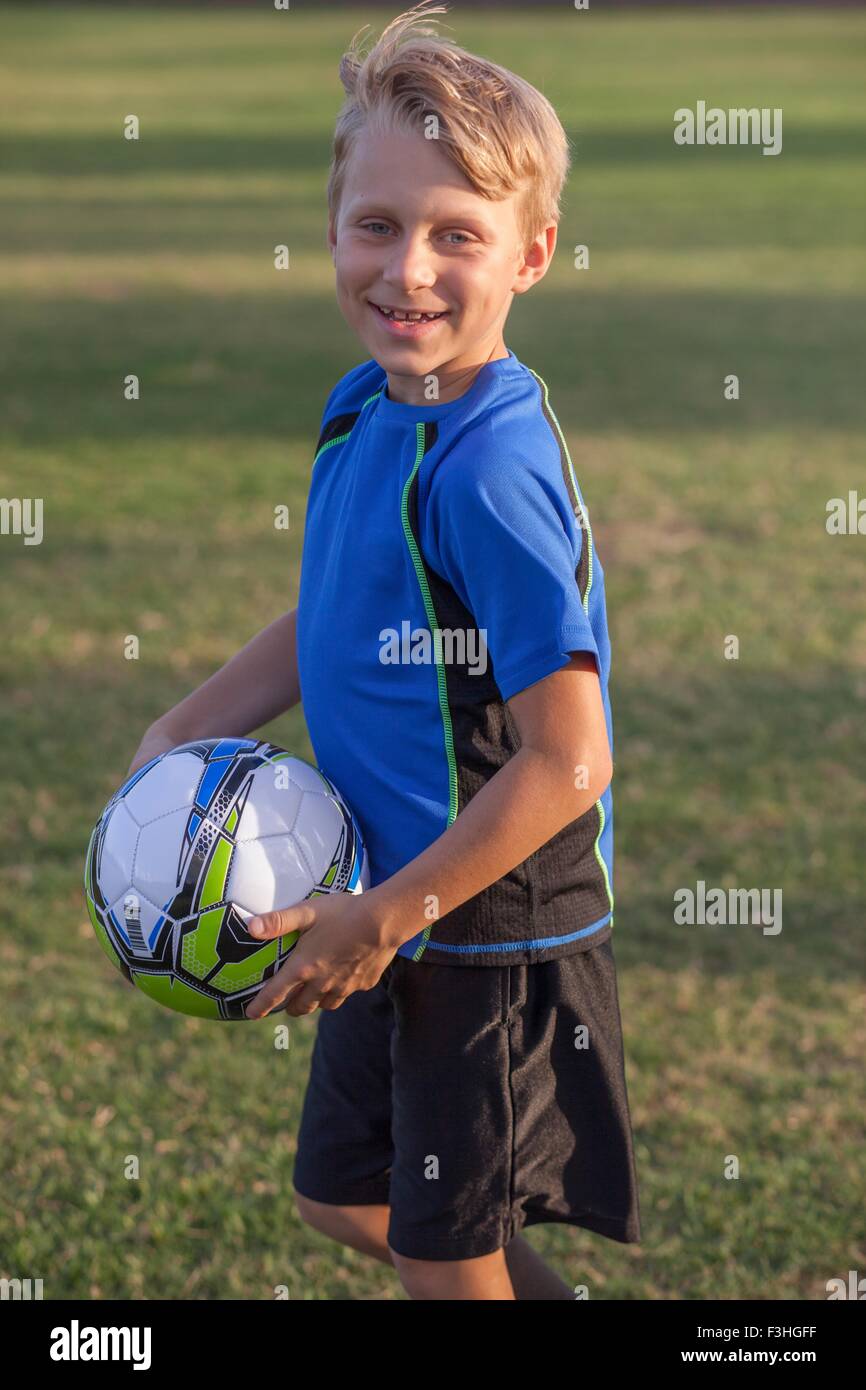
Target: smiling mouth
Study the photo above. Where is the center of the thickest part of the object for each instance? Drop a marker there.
(408, 315)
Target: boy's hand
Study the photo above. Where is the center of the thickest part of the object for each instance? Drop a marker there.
(155, 741)
(347, 951)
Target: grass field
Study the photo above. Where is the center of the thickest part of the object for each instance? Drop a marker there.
(155, 258)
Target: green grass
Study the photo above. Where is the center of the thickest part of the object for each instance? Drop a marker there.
(154, 258)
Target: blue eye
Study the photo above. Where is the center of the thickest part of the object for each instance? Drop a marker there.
(465, 239)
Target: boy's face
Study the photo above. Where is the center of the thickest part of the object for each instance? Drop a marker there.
(412, 234)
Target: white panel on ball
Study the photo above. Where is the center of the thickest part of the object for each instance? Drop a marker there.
(318, 832)
(168, 786)
(272, 804)
(158, 856)
(118, 852)
(268, 874)
(304, 776)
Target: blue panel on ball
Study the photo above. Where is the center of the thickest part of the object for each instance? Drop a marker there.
(209, 783)
(155, 933)
(227, 747)
(356, 874)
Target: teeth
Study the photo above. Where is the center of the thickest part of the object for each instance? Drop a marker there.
(413, 316)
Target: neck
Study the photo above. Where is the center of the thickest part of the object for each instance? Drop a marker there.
(450, 381)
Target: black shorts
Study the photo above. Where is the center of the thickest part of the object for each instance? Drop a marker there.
(457, 1096)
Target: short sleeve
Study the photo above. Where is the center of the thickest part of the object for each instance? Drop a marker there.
(502, 534)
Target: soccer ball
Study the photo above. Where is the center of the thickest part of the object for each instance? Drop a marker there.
(197, 842)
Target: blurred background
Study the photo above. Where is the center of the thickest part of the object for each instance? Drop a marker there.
(155, 257)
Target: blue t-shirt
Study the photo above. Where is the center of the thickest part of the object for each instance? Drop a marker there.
(448, 564)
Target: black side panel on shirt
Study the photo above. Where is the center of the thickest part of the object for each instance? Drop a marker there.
(334, 428)
(557, 891)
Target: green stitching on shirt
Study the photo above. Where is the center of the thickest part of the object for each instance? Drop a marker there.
(600, 857)
(341, 438)
(583, 510)
(433, 624)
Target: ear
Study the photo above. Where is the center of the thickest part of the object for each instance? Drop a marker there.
(536, 260)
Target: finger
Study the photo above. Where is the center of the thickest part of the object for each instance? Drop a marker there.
(272, 996)
(332, 1001)
(306, 1001)
(279, 923)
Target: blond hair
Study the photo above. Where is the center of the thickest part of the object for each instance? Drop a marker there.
(497, 129)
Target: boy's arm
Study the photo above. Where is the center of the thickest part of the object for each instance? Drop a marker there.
(257, 684)
(534, 795)
(352, 938)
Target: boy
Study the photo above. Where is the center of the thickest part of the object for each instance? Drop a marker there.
(467, 1078)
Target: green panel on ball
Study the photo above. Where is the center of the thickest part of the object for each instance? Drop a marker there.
(243, 973)
(198, 954)
(174, 994)
(102, 935)
(217, 875)
(88, 865)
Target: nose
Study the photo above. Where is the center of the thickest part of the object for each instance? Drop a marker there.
(410, 264)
